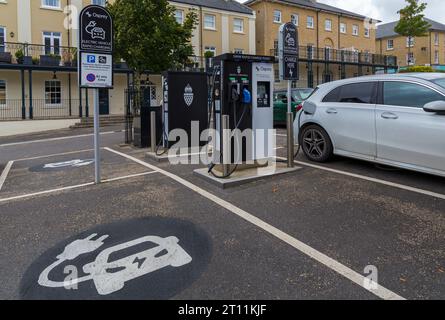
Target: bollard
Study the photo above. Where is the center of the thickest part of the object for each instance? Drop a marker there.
(226, 145)
(290, 140)
(153, 131)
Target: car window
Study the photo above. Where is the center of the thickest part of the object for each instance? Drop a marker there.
(408, 94)
(280, 97)
(362, 92)
(440, 82)
(302, 94)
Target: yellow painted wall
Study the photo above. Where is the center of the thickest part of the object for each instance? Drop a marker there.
(8, 19)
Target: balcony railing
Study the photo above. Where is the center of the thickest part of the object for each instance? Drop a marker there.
(343, 56)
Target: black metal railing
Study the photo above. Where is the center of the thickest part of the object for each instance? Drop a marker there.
(35, 54)
(17, 109)
(342, 56)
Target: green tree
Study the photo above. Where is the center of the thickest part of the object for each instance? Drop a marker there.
(412, 23)
(148, 37)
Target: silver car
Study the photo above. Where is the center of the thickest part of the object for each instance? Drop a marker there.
(396, 120)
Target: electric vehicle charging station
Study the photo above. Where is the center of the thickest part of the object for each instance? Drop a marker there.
(243, 92)
(242, 105)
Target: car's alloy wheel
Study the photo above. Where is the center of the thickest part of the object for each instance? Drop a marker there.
(316, 144)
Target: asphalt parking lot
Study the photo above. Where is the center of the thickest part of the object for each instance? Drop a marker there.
(311, 234)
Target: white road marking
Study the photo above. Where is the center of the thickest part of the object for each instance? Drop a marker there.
(379, 181)
(56, 139)
(281, 135)
(332, 264)
(30, 195)
(54, 155)
(5, 173)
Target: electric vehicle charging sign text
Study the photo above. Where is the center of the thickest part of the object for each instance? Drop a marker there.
(288, 47)
(96, 70)
(96, 30)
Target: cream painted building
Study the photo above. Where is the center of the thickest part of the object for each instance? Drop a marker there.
(38, 69)
(424, 51)
(334, 43)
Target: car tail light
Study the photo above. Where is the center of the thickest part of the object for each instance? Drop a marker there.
(299, 107)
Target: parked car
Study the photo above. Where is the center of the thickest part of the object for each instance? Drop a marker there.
(396, 120)
(280, 102)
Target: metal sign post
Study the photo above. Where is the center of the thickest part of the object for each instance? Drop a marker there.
(95, 62)
(288, 47)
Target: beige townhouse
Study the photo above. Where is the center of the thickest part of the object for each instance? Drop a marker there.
(420, 51)
(38, 55)
(334, 43)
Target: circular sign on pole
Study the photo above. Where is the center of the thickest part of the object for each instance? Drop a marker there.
(288, 47)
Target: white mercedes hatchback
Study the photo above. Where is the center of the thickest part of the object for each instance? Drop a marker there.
(396, 120)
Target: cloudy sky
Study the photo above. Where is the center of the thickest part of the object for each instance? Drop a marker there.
(386, 10)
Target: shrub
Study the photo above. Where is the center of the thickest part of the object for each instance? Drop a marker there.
(417, 69)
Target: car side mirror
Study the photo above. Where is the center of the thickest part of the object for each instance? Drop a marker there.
(284, 100)
(435, 107)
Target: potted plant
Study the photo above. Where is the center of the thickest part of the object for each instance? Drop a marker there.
(22, 59)
(35, 61)
(50, 60)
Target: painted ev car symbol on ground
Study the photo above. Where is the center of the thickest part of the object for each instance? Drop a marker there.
(147, 258)
(73, 163)
(111, 276)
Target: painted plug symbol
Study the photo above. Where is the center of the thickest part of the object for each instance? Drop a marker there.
(79, 247)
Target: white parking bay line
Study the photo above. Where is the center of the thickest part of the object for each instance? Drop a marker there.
(55, 155)
(5, 173)
(383, 182)
(30, 195)
(332, 264)
(56, 139)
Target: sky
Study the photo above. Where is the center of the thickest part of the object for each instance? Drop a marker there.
(386, 10)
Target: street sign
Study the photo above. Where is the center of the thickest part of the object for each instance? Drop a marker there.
(95, 62)
(288, 47)
(96, 30)
(96, 70)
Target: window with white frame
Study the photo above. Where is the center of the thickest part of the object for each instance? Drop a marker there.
(436, 39)
(328, 25)
(390, 44)
(210, 49)
(238, 51)
(410, 60)
(54, 4)
(294, 18)
(342, 27)
(2, 93)
(410, 42)
(2, 39)
(355, 30)
(277, 16)
(179, 16)
(102, 3)
(367, 32)
(238, 25)
(210, 21)
(53, 92)
(310, 22)
(436, 57)
(52, 42)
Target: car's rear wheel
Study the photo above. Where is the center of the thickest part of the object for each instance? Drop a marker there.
(316, 144)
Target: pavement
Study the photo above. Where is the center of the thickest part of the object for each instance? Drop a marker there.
(13, 128)
(318, 233)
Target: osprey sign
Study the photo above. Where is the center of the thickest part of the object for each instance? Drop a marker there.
(288, 52)
(96, 30)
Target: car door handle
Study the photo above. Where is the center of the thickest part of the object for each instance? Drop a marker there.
(390, 116)
(331, 111)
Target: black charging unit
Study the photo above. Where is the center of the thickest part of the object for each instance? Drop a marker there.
(185, 100)
(142, 121)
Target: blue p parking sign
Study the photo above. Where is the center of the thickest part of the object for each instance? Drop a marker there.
(91, 59)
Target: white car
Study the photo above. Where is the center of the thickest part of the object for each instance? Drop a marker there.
(396, 120)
